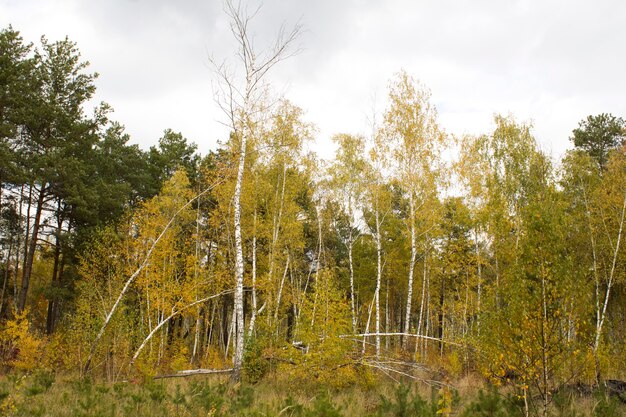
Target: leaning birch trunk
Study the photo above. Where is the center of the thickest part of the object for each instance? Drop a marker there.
(367, 327)
(196, 338)
(130, 280)
(609, 283)
(280, 293)
(596, 344)
(409, 297)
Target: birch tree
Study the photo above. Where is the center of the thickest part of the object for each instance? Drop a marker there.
(242, 99)
(346, 181)
(411, 128)
(378, 207)
(597, 201)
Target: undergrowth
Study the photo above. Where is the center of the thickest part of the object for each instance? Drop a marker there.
(43, 394)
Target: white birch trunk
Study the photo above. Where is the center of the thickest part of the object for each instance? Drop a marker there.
(280, 292)
(409, 296)
(367, 327)
(609, 283)
(238, 299)
(480, 280)
(378, 281)
(351, 265)
(387, 322)
(421, 315)
(241, 106)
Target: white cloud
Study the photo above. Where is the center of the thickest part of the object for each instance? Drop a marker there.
(552, 62)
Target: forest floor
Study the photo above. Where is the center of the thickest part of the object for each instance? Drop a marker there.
(44, 394)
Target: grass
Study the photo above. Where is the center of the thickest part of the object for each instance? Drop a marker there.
(43, 394)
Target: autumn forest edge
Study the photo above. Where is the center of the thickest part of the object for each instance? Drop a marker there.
(410, 253)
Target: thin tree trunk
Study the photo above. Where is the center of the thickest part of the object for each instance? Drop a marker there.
(17, 249)
(254, 299)
(409, 296)
(609, 283)
(50, 318)
(480, 280)
(26, 235)
(387, 320)
(441, 309)
(31, 249)
(367, 327)
(378, 281)
(59, 302)
(5, 280)
(229, 332)
(211, 325)
(544, 346)
(351, 266)
(428, 318)
(276, 229)
(466, 305)
(55, 273)
(495, 255)
(280, 293)
(597, 286)
(421, 316)
(196, 339)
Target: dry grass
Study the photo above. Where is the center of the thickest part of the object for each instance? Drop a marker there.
(42, 394)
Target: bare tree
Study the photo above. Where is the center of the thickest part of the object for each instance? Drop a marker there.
(243, 103)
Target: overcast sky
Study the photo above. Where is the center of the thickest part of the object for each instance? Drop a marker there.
(548, 62)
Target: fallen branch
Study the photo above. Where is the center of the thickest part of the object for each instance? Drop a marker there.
(190, 372)
(387, 369)
(348, 336)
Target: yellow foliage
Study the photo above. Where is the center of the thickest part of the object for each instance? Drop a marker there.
(454, 364)
(180, 356)
(326, 358)
(444, 402)
(20, 348)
